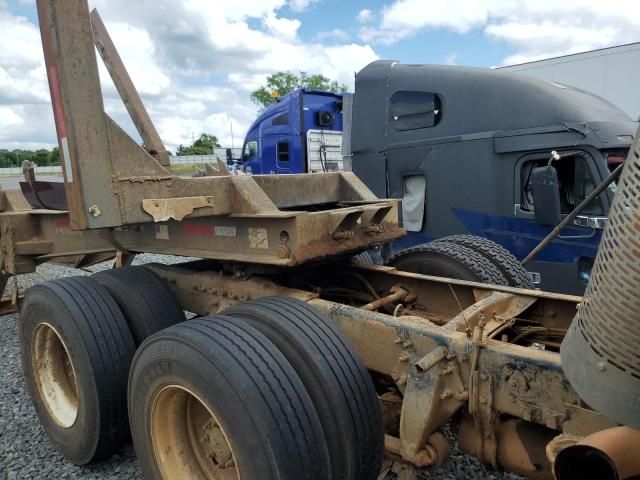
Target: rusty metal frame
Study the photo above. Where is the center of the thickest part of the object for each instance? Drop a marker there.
(440, 369)
(113, 183)
(29, 237)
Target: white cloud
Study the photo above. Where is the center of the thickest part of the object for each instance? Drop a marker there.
(534, 28)
(26, 124)
(194, 110)
(138, 53)
(344, 61)
(194, 65)
(365, 16)
(9, 118)
(336, 35)
(284, 28)
(20, 42)
(404, 18)
(300, 5)
(451, 59)
(25, 112)
(23, 85)
(536, 41)
(229, 10)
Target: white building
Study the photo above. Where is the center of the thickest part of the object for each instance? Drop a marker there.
(612, 73)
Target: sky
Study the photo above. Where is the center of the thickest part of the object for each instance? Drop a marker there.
(195, 62)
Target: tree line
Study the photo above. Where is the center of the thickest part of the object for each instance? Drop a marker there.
(203, 145)
(42, 157)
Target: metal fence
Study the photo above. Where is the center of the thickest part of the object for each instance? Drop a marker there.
(218, 153)
(17, 171)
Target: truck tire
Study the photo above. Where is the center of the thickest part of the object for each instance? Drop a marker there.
(145, 299)
(76, 351)
(214, 394)
(502, 258)
(339, 384)
(368, 257)
(448, 260)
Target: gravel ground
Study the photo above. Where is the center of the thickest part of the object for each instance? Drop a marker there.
(25, 451)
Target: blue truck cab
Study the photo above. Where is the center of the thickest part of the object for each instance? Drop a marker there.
(300, 132)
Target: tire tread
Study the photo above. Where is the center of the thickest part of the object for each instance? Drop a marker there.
(92, 313)
(145, 299)
(498, 255)
(354, 401)
(484, 269)
(278, 399)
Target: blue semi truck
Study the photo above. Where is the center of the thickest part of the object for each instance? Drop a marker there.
(459, 146)
(300, 132)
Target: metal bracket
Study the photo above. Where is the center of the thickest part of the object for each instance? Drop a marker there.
(481, 400)
(432, 396)
(163, 209)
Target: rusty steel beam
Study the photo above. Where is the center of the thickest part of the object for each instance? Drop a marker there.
(127, 90)
(78, 108)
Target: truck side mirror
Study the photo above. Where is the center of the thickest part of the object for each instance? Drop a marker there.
(546, 196)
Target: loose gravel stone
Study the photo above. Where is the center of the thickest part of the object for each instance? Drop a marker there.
(26, 453)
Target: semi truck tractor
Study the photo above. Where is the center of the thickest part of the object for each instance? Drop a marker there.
(296, 362)
(300, 132)
(458, 145)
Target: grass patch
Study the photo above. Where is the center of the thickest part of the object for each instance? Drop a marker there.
(187, 169)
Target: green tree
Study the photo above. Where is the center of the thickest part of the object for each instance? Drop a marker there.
(42, 157)
(204, 145)
(282, 83)
(54, 156)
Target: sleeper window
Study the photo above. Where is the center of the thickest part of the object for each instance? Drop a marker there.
(414, 110)
(281, 120)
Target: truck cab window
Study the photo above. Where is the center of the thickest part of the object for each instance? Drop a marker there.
(283, 152)
(413, 202)
(281, 119)
(250, 149)
(414, 110)
(576, 183)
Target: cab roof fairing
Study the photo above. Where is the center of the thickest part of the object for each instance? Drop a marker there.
(474, 100)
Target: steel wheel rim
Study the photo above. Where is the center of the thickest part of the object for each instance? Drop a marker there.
(55, 375)
(187, 439)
